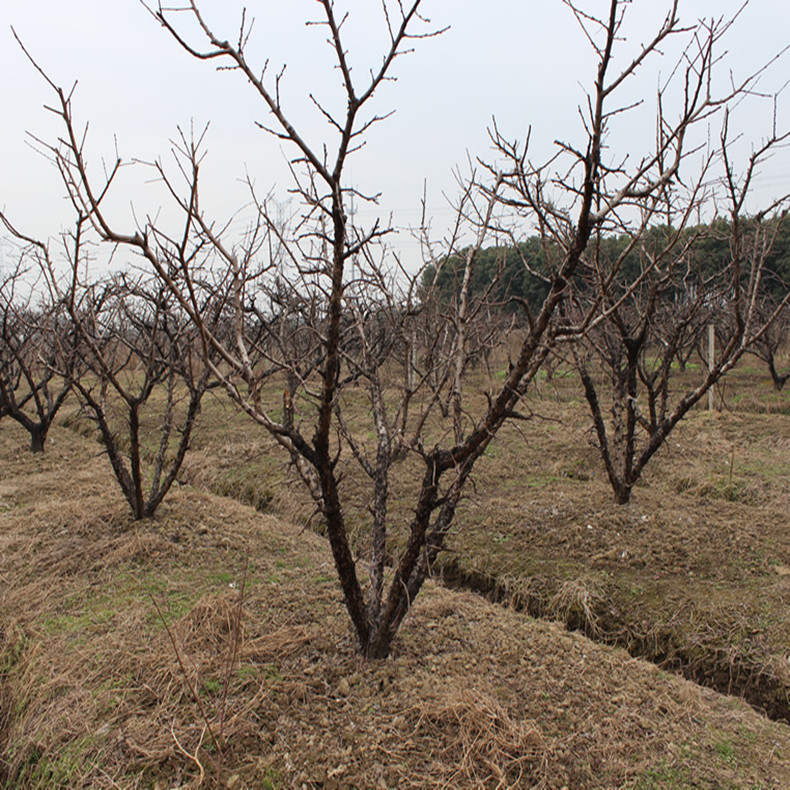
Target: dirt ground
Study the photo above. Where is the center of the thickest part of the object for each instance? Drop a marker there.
(209, 647)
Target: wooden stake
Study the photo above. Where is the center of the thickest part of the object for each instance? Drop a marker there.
(711, 359)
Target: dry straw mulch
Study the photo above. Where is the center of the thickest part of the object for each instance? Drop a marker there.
(249, 678)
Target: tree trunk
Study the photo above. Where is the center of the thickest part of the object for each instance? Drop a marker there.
(778, 379)
(622, 493)
(380, 644)
(38, 438)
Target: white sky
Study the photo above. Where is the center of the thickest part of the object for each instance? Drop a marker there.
(522, 61)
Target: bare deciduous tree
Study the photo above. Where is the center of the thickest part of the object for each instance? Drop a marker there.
(144, 383)
(341, 319)
(135, 361)
(37, 349)
(772, 346)
(637, 320)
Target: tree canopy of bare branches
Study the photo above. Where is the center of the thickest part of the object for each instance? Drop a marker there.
(38, 349)
(640, 333)
(144, 381)
(320, 314)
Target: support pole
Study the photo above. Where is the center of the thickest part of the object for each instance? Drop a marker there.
(711, 359)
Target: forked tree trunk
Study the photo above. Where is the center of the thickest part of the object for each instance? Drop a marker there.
(777, 378)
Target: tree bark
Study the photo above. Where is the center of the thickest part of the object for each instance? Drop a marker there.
(38, 438)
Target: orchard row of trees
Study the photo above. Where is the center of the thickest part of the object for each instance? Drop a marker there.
(648, 320)
(126, 336)
(298, 320)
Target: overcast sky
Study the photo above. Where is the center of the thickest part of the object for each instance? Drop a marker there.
(524, 62)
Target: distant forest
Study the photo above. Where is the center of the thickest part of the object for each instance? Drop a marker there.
(516, 275)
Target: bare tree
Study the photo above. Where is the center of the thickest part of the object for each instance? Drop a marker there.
(674, 291)
(38, 350)
(350, 314)
(772, 346)
(147, 385)
(135, 361)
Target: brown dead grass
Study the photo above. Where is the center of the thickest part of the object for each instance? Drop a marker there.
(94, 694)
(690, 575)
(489, 746)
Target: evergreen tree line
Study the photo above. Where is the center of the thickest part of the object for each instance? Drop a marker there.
(518, 275)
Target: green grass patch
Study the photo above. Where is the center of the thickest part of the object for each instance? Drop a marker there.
(43, 769)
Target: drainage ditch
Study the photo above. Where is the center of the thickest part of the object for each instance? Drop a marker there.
(715, 668)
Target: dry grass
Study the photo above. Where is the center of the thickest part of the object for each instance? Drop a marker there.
(94, 694)
(686, 575)
(488, 748)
